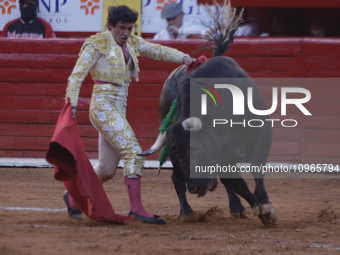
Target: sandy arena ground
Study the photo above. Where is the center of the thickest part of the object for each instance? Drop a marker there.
(308, 219)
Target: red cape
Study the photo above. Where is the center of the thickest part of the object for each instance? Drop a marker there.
(72, 166)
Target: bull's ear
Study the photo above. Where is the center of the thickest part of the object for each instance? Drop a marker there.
(192, 124)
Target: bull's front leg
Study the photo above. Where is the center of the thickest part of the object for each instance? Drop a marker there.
(262, 206)
(240, 187)
(179, 183)
(237, 210)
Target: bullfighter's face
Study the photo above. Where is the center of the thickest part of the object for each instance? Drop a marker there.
(121, 31)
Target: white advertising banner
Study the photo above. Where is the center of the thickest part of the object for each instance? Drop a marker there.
(87, 15)
(63, 15)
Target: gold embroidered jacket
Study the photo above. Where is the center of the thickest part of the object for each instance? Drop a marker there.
(104, 58)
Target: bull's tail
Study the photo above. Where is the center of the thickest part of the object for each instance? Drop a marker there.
(223, 30)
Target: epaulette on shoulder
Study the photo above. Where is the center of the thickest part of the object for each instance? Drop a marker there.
(134, 40)
(101, 41)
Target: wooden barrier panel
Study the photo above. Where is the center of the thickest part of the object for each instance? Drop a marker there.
(33, 78)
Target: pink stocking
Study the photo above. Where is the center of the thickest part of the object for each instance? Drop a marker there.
(133, 186)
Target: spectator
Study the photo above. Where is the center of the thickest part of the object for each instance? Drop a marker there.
(249, 27)
(28, 25)
(174, 17)
(280, 25)
(318, 27)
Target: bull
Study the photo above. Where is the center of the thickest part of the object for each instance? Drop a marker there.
(224, 144)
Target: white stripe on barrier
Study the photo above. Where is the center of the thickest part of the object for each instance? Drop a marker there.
(41, 162)
(31, 209)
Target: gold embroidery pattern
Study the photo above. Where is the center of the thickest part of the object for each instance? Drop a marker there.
(160, 52)
(109, 121)
(134, 41)
(101, 41)
(108, 102)
(119, 72)
(108, 77)
(117, 64)
(107, 109)
(85, 62)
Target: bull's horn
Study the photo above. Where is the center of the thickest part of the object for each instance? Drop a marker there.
(161, 139)
(192, 124)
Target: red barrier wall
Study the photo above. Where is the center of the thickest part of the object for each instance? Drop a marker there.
(33, 75)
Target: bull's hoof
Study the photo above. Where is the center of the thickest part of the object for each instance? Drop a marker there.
(185, 217)
(239, 215)
(266, 213)
(185, 213)
(257, 210)
(269, 218)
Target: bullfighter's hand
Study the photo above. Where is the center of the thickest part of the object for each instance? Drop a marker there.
(187, 60)
(74, 111)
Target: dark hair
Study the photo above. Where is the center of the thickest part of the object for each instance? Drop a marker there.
(121, 13)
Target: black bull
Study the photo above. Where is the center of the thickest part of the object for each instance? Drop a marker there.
(251, 145)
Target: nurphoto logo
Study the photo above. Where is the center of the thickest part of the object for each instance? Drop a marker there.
(238, 104)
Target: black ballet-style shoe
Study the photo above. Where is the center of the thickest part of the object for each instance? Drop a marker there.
(154, 220)
(72, 213)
